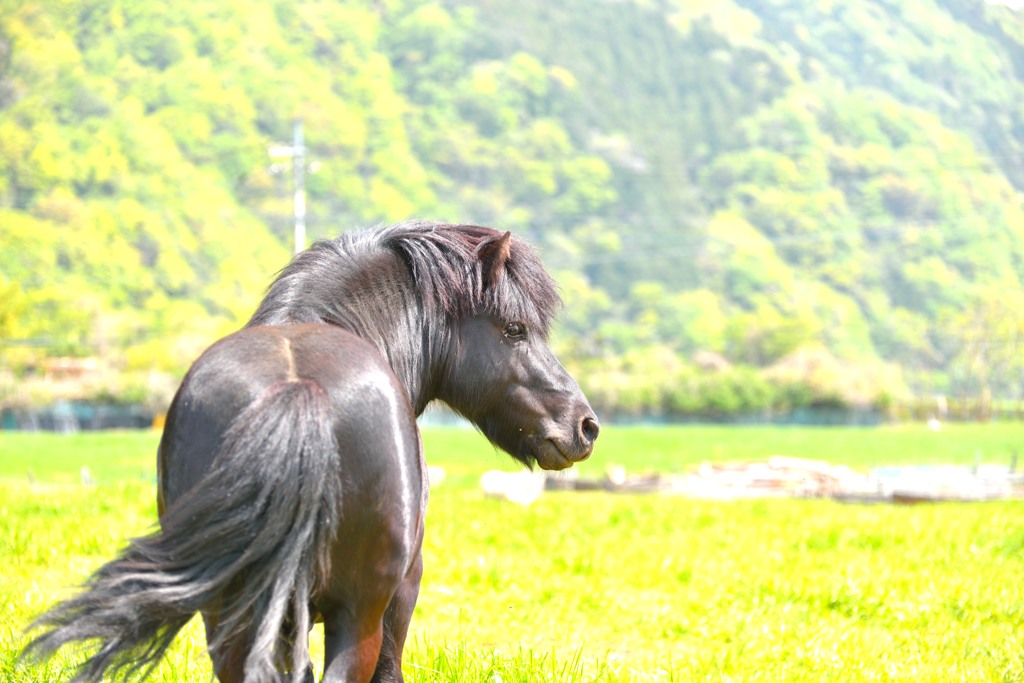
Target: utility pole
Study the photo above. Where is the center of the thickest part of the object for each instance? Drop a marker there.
(297, 153)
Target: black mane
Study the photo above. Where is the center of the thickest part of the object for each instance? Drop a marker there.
(344, 281)
(401, 287)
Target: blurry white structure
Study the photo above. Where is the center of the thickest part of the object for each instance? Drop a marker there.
(436, 475)
(521, 487)
(616, 474)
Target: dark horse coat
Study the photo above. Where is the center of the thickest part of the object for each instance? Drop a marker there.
(292, 484)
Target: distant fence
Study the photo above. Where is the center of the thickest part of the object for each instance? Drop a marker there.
(805, 417)
(969, 409)
(75, 416)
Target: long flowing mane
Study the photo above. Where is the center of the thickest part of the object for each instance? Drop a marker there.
(346, 281)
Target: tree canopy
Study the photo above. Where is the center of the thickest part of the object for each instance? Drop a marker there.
(766, 181)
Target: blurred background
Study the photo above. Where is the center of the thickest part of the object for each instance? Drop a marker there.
(757, 210)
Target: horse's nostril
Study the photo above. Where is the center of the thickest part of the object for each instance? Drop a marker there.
(590, 429)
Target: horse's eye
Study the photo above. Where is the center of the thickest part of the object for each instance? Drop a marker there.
(515, 330)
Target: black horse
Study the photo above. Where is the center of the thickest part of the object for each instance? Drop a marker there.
(292, 485)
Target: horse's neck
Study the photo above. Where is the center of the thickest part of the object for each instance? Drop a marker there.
(414, 354)
(384, 310)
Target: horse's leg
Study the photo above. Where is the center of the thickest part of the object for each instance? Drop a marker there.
(396, 625)
(229, 658)
(352, 646)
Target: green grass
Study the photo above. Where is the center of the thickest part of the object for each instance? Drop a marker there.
(677, 448)
(599, 587)
(59, 458)
(130, 455)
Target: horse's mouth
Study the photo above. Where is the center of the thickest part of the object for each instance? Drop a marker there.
(550, 456)
(548, 453)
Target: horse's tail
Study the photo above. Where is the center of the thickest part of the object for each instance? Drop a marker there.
(249, 541)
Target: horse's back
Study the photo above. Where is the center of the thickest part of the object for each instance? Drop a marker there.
(379, 457)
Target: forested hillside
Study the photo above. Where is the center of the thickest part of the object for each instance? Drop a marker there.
(749, 204)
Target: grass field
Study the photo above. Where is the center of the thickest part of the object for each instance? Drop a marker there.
(598, 587)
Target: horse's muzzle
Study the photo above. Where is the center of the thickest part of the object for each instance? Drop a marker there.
(582, 446)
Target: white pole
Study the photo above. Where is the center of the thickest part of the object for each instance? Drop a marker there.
(299, 174)
(297, 152)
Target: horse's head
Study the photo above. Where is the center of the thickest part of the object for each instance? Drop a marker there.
(504, 378)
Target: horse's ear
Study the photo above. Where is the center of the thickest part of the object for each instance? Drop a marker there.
(493, 253)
